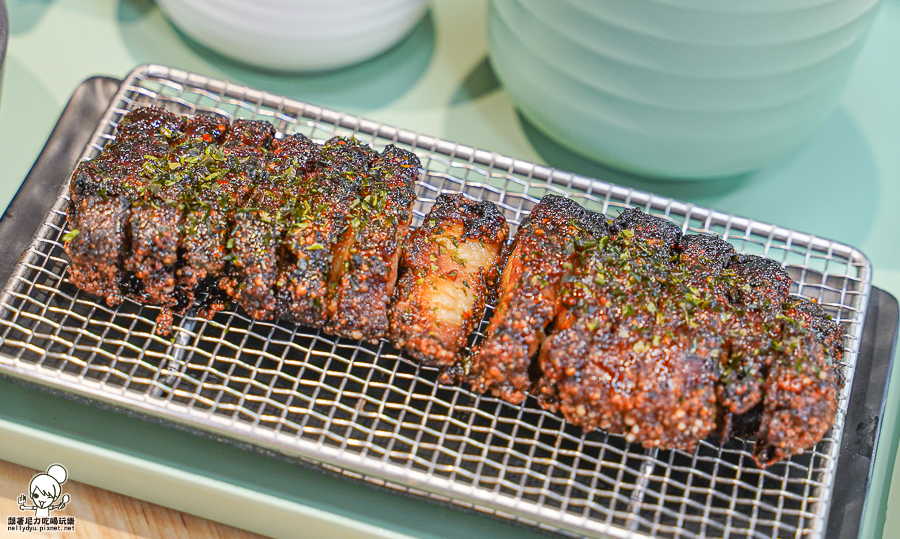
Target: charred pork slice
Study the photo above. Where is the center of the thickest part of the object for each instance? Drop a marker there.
(368, 273)
(448, 271)
(542, 253)
(101, 194)
(146, 137)
(231, 172)
(95, 245)
(627, 354)
(319, 232)
(257, 238)
(801, 390)
(207, 206)
(157, 225)
(756, 288)
(155, 233)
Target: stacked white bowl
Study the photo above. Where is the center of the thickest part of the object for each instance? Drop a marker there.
(296, 35)
(677, 88)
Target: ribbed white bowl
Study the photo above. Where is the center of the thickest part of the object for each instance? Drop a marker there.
(296, 35)
(677, 88)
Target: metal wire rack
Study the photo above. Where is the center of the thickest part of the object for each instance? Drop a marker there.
(368, 412)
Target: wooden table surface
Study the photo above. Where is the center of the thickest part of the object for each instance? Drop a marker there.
(101, 514)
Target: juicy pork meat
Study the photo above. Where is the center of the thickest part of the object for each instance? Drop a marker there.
(448, 270)
(541, 255)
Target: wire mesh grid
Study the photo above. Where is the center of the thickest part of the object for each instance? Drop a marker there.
(368, 412)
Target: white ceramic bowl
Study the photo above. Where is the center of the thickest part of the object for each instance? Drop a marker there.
(677, 88)
(296, 35)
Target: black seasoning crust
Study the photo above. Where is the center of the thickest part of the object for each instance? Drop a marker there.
(95, 251)
(542, 253)
(256, 134)
(628, 354)
(155, 233)
(656, 231)
(447, 272)
(709, 255)
(764, 283)
(366, 272)
(802, 384)
(149, 123)
(102, 192)
(481, 220)
(319, 223)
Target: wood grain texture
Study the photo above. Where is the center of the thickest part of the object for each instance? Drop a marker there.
(101, 514)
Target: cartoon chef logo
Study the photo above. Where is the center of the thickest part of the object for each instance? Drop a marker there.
(45, 489)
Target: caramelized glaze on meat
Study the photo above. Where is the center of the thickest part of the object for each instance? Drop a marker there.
(364, 279)
(541, 254)
(448, 271)
(802, 384)
(627, 354)
(101, 194)
(318, 236)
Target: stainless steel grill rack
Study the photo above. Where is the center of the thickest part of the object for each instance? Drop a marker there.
(365, 411)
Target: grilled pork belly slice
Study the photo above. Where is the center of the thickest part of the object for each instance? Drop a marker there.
(364, 275)
(448, 272)
(206, 218)
(756, 288)
(101, 194)
(257, 237)
(801, 387)
(541, 254)
(316, 242)
(238, 169)
(627, 354)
